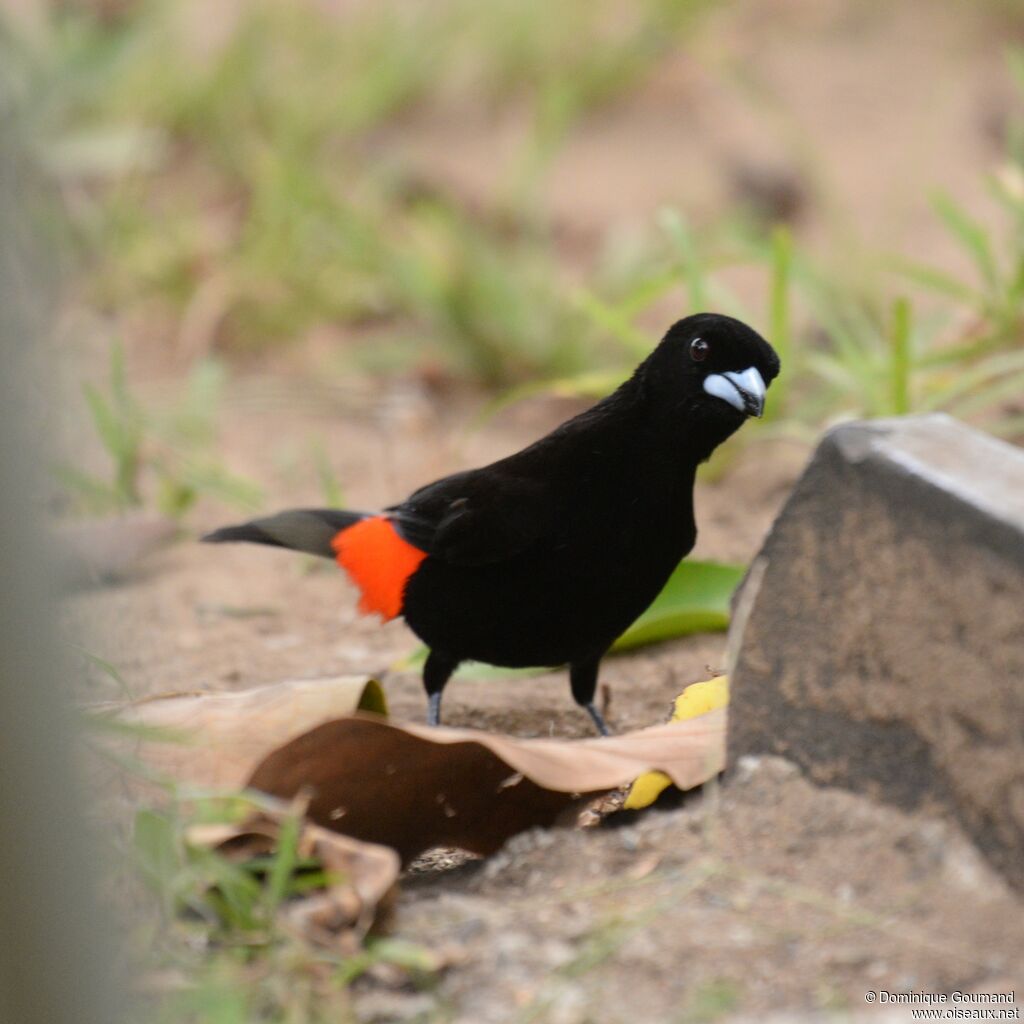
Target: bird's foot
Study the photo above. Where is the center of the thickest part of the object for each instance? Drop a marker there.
(598, 718)
(434, 709)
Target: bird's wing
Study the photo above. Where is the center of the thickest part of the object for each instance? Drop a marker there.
(476, 518)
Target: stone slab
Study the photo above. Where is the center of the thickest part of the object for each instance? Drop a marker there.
(878, 639)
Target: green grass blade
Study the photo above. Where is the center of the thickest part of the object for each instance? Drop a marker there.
(104, 420)
(780, 325)
(330, 485)
(971, 235)
(899, 357)
(284, 862)
(1002, 389)
(615, 322)
(95, 496)
(937, 281)
(158, 854)
(587, 384)
(681, 236)
(646, 292)
(964, 380)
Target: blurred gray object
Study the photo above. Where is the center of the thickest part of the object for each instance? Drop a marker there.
(879, 634)
(55, 943)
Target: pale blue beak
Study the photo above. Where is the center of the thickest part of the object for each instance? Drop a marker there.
(744, 390)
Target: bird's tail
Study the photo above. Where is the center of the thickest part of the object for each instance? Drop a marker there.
(367, 546)
(300, 529)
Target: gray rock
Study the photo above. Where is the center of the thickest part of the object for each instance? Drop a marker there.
(878, 640)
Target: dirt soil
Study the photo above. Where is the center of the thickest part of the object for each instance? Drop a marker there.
(766, 892)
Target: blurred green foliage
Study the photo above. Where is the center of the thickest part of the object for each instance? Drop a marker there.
(217, 920)
(851, 348)
(239, 185)
(158, 456)
(233, 181)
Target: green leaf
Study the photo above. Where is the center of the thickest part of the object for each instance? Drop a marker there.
(695, 600)
(373, 699)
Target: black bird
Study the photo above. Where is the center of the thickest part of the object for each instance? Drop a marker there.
(547, 556)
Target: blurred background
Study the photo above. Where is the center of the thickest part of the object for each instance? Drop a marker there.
(288, 253)
(310, 208)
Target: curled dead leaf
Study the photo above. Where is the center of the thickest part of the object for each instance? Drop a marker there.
(473, 790)
(413, 787)
(215, 739)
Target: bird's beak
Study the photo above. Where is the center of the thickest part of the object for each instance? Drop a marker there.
(744, 390)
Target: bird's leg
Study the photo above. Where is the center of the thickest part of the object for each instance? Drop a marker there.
(583, 680)
(436, 673)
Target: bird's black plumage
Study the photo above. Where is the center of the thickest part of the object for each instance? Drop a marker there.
(547, 556)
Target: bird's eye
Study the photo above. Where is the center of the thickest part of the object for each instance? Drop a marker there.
(699, 350)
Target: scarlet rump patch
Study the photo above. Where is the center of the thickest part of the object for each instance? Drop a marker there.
(378, 561)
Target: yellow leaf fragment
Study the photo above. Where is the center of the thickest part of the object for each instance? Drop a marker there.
(697, 699)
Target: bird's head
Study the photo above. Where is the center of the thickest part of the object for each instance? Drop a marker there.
(715, 368)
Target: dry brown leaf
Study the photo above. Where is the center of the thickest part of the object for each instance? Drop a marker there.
(415, 787)
(361, 876)
(221, 736)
